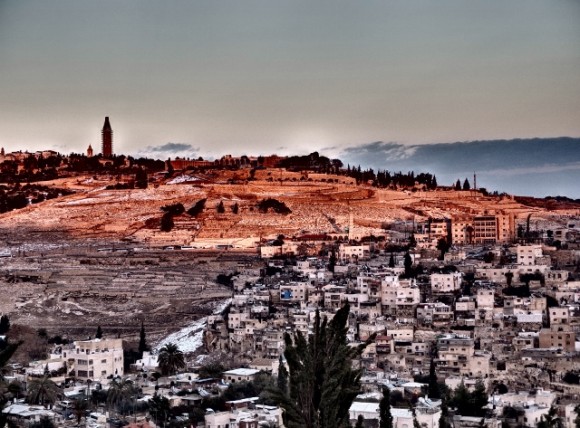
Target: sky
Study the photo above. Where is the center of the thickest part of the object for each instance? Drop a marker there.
(209, 77)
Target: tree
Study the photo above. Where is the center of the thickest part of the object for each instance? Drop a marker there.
(458, 185)
(461, 400)
(4, 324)
(479, 398)
(385, 417)
(120, 391)
(197, 208)
(235, 208)
(142, 341)
(170, 359)
(141, 179)
(551, 419)
(509, 276)
(408, 263)
(159, 409)
(167, 222)
(443, 422)
(443, 247)
(174, 209)
(282, 380)
(360, 422)
(322, 382)
(488, 257)
(79, 409)
(43, 391)
(466, 185)
(470, 404)
(577, 418)
(434, 392)
(213, 369)
(332, 260)
(392, 261)
(412, 241)
(99, 333)
(220, 208)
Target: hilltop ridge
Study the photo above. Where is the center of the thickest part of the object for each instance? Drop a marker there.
(319, 204)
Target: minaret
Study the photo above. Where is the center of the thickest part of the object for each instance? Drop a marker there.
(107, 138)
(90, 151)
(474, 181)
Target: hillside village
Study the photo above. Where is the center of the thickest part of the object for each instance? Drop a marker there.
(458, 293)
(514, 331)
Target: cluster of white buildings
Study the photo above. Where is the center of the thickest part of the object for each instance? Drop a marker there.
(470, 333)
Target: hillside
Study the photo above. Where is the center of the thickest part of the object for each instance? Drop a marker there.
(95, 257)
(319, 203)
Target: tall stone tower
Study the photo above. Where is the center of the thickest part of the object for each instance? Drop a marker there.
(107, 139)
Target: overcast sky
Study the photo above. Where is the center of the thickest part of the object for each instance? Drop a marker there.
(258, 77)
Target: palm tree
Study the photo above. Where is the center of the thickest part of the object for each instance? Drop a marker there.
(120, 390)
(551, 419)
(79, 409)
(43, 391)
(159, 409)
(170, 359)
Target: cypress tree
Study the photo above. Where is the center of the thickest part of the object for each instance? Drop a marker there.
(433, 385)
(386, 419)
(462, 400)
(282, 377)
(458, 185)
(99, 333)
(392, 261)
(466, 185)
(408, 263)
(142, 341)
(4, 324)
(443, 422)
(322, 382)
(479, 398)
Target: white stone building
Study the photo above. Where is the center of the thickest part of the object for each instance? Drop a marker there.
(96, 359)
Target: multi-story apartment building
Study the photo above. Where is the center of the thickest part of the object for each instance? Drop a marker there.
(483, 229)
(455, 353)
(96, 359)
(442, 283)
(348, 253)
(294, 292)
(485, 298)
(434, 313)
(560, 338)
(527, 254)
